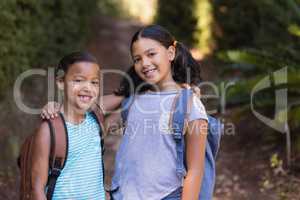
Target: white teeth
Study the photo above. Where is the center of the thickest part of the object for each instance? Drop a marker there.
(84, 98)
(149, 72)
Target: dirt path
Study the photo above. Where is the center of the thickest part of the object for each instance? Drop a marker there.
(244, 169)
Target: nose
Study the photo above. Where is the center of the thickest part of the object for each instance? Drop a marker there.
(87, 86)
(145, 62)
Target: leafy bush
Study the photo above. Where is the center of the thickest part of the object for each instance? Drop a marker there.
(258, 38)
(178, 17)
(37, 33)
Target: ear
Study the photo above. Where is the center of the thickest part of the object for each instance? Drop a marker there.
(171, 52)
(60, 83)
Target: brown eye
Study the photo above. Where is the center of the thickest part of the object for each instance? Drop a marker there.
(136, 60)
(151, 54)
(95, 82)
(77, 80)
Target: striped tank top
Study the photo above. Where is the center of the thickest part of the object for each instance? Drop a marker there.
(82, 176)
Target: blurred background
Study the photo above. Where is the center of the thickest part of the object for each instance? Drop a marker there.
(238, 44)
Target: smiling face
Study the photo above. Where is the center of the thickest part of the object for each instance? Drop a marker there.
(80, 85)
(152, 62)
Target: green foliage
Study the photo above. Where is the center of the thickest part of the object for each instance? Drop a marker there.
(111, 8)
(37, 33)
(294, 29)
(259, 37)
(270, 40)
(294, 115)
(261, 25)
(239, 94)
(178, 17)
(275, 161)
(238, 22)
(191, 22)
(253, 61)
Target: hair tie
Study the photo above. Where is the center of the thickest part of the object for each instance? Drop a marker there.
(175, 43)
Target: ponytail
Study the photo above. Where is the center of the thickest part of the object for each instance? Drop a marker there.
(185, 69)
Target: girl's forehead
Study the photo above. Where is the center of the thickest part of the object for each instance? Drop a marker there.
(84, 68)
(143, 44)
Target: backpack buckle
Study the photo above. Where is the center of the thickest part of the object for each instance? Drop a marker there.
(55, 172)
(177, 135)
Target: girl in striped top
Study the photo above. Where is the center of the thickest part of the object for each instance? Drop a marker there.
(77, 76)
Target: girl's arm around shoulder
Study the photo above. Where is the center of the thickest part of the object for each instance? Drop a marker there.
(107, 103)
(110, 102)
(196, 136)
(40, 161)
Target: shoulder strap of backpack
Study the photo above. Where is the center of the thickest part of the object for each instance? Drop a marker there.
(99, 116)
(215, 129)
(58, 151)
(179, 110)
